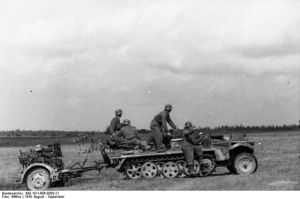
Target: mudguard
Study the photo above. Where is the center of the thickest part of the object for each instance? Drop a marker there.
(40, 165)
(246, 146)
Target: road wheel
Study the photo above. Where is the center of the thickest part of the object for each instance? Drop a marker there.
(207, 166)
(181, 164)
(245, 163)
(38, 179)
(149, 170)
(134, 170)
(196, 168)
(170, 170)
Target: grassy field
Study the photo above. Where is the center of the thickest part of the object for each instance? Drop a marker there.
(278, 156)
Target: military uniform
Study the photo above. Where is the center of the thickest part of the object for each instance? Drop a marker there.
(127, 137)
(128, 133)
(159, 129)
(115, 125)
(191, 146)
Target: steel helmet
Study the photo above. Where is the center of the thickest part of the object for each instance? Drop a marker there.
(126, 122)
(188, 124)
(168, 107)
(118, 112)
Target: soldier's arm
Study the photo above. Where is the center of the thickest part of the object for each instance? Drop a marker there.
(171, 122)
(112, 126)
(164, 121)
(187, 132)
(194, 140)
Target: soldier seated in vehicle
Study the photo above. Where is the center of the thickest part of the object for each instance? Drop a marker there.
(127, 137)
(191, 146)
(113, 128)
(115, 124)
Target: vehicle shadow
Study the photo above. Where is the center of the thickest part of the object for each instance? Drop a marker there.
(95, 179)
(219, 174)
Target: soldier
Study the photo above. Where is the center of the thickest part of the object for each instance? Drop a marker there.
(128, 132)
(128, 137)
(159, 129)
(115, 124)
(191, 146)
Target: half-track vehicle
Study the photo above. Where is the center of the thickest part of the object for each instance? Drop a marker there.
(44, 167)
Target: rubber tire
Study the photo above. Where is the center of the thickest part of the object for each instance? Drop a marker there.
(32, 173)
(241, 156)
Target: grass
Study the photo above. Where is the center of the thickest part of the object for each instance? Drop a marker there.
(31, 141)
(278, 155)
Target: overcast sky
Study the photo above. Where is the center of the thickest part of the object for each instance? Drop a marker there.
(68, 65)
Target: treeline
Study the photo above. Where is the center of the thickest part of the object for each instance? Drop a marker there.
(244, 129)
(262, 128)
(45, 133)
(217, 129)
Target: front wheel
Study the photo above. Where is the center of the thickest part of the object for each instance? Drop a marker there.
(38, 179)
(245, 163)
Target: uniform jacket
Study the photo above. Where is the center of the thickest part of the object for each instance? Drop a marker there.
(128, 132)
(163, 118)
(115, 125)
(190, 137)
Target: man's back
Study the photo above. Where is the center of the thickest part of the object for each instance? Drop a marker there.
(128, 132)
(162, 118)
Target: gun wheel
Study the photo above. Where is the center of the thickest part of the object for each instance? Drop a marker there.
(149, 170)
(38, 179)
(181, 165)
(134, 171)
(170, 170)
(196, 168)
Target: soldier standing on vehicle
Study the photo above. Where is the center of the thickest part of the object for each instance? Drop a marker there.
(191, 146)
(115, 124)
(159, 129)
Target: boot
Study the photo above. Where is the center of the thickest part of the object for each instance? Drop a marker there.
(161, 149)
(191, 171)
(201, 166)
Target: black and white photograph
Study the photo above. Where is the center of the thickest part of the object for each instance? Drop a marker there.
(148, 95)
